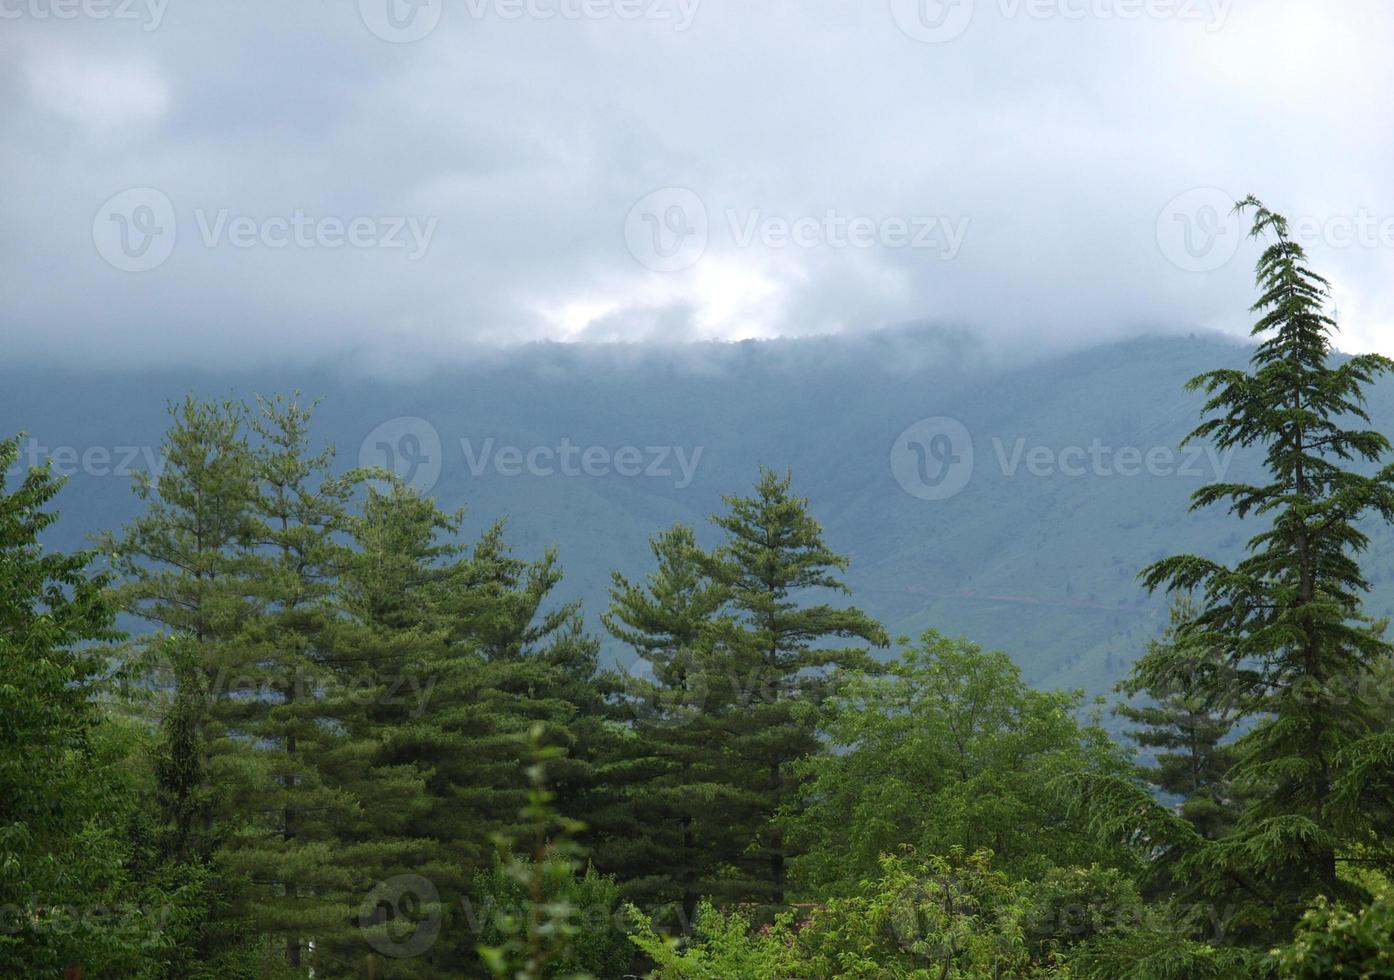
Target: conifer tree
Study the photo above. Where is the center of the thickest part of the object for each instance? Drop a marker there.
(57, 850)
(773, 641)
(181, 567)
(290, 708)
(534, 664)
(492, 657)
(661, 775)
(1287, 618)
(385, 646)
(1186, 730)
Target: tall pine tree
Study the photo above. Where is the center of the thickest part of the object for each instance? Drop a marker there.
(661, 776)
(182, 569)
(1287, 618)
(288, 706)
(779, 651)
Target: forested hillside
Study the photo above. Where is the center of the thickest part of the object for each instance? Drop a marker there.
(1036, 561)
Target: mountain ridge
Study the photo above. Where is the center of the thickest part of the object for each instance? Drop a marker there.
(1037, 553)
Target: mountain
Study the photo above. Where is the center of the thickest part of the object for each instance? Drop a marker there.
(1009, 499)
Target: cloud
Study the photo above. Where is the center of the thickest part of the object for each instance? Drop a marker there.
(95, 97)
(1014, 178)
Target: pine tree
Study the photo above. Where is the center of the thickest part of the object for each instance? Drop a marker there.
(1187, 730)
(660, 776)
(403, 569)
(57, 850)
(181, 566)
(257, 680)
(1287, 618)
(770, 641)
(293, 716)
(493, 657)
(534, 664)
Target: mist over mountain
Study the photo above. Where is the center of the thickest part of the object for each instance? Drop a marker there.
(1010, 498)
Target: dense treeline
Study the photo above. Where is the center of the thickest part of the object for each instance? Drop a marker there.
(342, 741)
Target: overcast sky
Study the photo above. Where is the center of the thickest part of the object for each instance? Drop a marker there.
(396, 181)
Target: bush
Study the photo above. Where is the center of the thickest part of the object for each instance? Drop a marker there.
(1334, 941)
(596, 943)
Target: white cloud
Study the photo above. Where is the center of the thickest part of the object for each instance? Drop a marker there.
(1058, 141)
(100, 96)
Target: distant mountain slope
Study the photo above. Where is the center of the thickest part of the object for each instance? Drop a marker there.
(1036, 553)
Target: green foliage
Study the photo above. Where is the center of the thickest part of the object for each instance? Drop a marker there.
(950, 748)
(948, 916)
(66, 896)
(281, 708)
(339, 687)
(1186, 728)
(544, 920)
(722, 945)
(1333, 940)
(953, 915)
